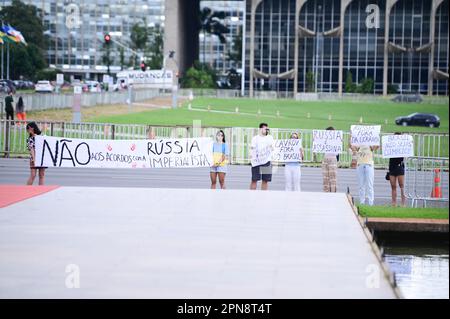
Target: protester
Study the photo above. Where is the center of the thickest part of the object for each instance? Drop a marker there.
(397, 175)
(261, 143)
(151, 133)
(9, 109)
(292, 172)
(221, 153)
(33, 130)
(365, 171)
(329, 170)
(20, 110)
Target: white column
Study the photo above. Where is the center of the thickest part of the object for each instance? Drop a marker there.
(389, 5)
(344, 5)
(255, 4)
(434, 7)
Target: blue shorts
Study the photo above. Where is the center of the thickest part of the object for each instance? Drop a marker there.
(219, 169)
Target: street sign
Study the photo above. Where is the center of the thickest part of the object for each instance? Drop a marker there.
(150, 79)
(59, 78)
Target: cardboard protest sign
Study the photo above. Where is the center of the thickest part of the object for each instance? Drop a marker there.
(287, 150)
(365, 135)
(164, 153)
(397, 146)
(262, 155)
(327, 141)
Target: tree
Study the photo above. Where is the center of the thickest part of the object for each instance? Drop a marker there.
(139, 38)
(27, 60)
(366, 86)
(210, 23)
(199, 76)
(149, 41)
(392, 89)
(155, 48)
(47, 74)
(26, 19)
(350, 87)
(235, 54)
(121, 58)
(310, 81)
(107, 59)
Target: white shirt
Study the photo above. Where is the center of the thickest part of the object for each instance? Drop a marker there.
(261, 146)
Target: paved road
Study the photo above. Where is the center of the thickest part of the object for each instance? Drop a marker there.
(15, 171)
(170, 243)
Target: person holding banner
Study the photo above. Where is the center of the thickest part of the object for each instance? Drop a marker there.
(292, 172)
(397, 175)
(261, 150)
(34, 130)
(221, 153)
(329, 169)
(365, 171)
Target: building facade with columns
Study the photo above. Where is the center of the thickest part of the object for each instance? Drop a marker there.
(296, 46)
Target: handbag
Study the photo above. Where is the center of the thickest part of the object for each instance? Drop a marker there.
(387, 177)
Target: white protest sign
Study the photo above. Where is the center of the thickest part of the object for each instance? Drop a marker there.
(166, 153)
(287, 150)
(262, 148)
(365, 135)
(327, 141)
(261, 156)
(397, 146)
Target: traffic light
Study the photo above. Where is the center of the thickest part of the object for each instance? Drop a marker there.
(107, 39)
(143, 66)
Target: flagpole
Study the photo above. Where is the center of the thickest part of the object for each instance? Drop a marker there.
(3, 45)
(7, 60)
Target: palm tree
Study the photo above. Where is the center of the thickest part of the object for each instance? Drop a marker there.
(210, 23)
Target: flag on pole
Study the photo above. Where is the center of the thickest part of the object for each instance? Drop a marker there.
(12, 34)
(2, 36)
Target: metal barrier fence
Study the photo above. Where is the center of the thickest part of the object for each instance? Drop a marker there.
(426, 179)
(13, 138)
(323, 96)
(45, 101)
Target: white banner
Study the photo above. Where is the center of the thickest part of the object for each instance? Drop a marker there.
(365, 135)
(261, 156)
(327, 141)
(159, 153)
(397, 146)
(287, 150)
(152, 78)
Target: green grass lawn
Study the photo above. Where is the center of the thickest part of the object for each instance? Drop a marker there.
(293, 114)
(402, 212)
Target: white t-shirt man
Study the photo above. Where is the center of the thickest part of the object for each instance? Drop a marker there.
(261, 148)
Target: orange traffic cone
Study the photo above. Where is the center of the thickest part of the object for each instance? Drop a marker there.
(437, 192)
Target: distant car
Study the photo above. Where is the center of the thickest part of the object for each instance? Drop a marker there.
(409, 97)
(29, 85)
(44, 86)
(93, 86)
(9, 85)
(120, 85)
(419, 119)
(4, 88)
(23, 84)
